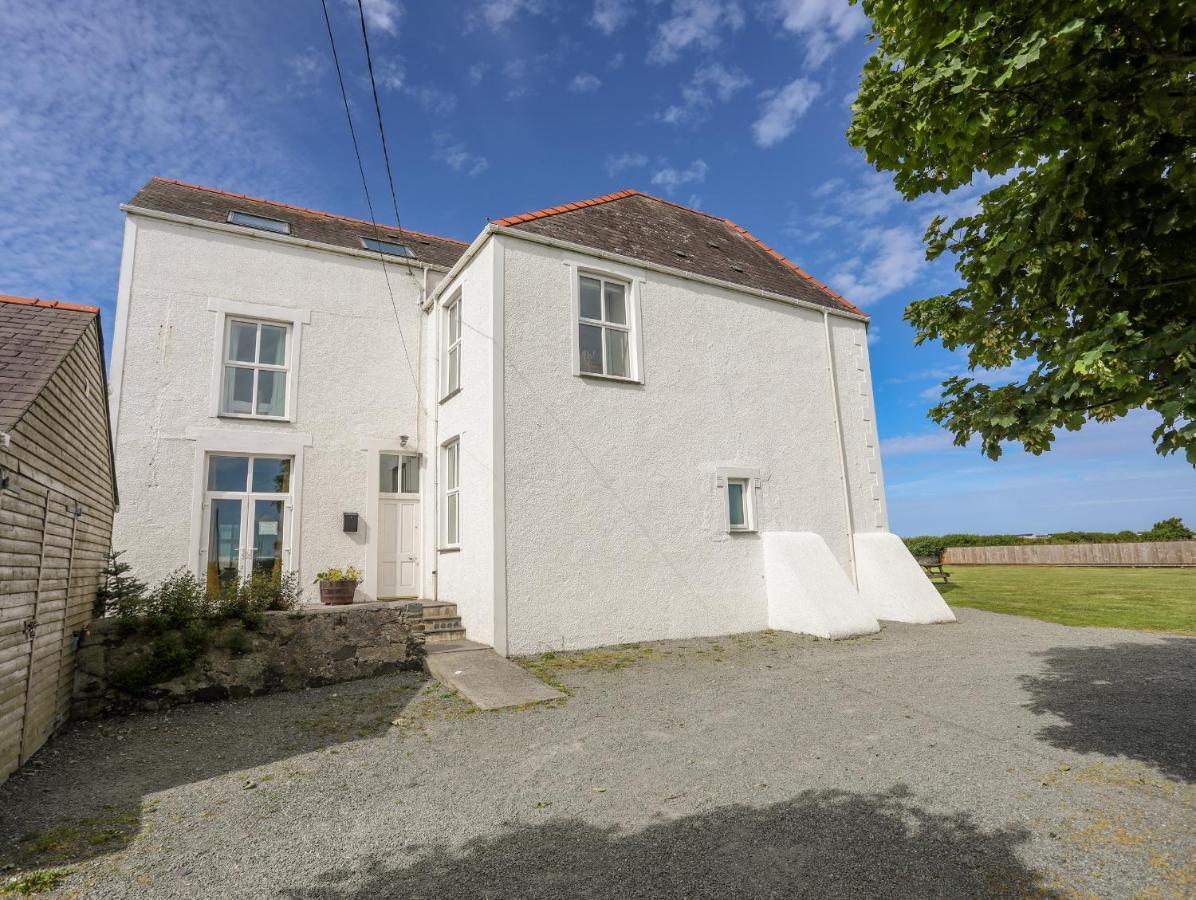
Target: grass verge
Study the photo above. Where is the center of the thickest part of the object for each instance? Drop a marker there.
(1143, 599)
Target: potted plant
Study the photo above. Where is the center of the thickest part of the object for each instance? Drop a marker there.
(338, 585)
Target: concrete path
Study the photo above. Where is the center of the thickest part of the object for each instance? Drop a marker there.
(486, 679)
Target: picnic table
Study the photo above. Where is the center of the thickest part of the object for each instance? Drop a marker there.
(933, 567)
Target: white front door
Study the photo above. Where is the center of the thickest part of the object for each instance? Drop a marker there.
(398, 526)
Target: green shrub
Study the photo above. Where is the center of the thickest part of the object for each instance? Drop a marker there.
(119, 589)
(934, 545)
(179, 617)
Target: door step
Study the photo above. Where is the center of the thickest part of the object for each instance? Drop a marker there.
(439, 622)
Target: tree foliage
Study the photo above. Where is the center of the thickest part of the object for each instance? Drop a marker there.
(1082, 260)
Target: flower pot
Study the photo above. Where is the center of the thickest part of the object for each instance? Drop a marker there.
(337, 593)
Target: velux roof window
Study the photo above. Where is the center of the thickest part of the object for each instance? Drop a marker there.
(249, 220)
(388, 247)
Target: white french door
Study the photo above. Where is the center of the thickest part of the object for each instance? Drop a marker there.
(247, 513)
(398, 525)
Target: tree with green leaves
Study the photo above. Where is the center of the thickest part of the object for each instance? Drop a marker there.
(1172, 529)
(1082, 260)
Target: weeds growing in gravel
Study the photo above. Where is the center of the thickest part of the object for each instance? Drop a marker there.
(36, 882)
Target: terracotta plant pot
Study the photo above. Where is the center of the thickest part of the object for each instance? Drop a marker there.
(337, 593)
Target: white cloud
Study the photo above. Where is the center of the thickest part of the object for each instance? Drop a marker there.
(391, 75)
(781, 110)
(694, 23)
(897, 258)
(454, 154)
(97, 101)
(498, 13)
(822, 24)
(309, 66)
(709, 82)
(381, 15)
(585, 83)
(610, 15)
(670, 179)
(434, 100)
(905, 444)
(623, 162)
(476, 73)
(870, 196)
(616, 61)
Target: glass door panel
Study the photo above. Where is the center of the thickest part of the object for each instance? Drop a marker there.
(224, 544)
(267, 538)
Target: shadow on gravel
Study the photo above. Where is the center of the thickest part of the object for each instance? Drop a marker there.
(820, 844)
(1132, 700)
(84, 794)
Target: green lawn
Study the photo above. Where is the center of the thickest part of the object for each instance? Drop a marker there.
(1146, 599)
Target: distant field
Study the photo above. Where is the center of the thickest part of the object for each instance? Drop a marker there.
(1146, 599)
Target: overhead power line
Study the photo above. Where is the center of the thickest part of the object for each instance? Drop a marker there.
(366, 187)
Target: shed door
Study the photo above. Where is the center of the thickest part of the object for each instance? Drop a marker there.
(37, 546)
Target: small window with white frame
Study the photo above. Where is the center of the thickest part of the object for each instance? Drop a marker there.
(452, 346)
(741, 513)
(451, 477)
(256, 376)
(605, 335)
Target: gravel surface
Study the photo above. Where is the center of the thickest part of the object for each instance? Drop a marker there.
(996, 757)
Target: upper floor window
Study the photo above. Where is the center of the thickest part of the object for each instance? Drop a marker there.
(249, 220)
(390, 248)
(605, 341)
(450, 458)
(256, 369)
(452, 346)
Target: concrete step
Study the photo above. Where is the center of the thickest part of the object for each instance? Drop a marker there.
(448, 634)
(439, 609)
(487, 680)
(440, 623)
(453, 646)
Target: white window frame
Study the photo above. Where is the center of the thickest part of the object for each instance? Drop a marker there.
(452, 348)
(752, 481)
(451, 446)
(257, 367)
(248, 498)
(232, 442)
(258, 312)
(631, 293)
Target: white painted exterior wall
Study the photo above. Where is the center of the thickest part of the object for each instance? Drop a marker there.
(466, 576)
(349, 389)
(615, 528)
(592, 511)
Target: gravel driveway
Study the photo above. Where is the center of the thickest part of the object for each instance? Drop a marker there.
(996, 757)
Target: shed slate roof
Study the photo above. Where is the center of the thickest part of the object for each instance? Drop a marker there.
(35, 337)
(211, 205)
(631, 223)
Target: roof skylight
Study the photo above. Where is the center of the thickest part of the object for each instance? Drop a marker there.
(249, 220)
(388, 247)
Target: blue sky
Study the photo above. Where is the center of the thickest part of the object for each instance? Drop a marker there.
(494, 107)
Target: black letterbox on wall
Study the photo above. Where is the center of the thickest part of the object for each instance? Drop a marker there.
(350, 526)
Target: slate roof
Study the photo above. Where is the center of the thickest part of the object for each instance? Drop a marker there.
(631, 223)
(35, 337)
(211, 205)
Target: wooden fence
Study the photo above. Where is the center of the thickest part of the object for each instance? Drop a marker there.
(1138, 553)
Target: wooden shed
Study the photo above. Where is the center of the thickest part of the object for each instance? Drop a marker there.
(57, 497)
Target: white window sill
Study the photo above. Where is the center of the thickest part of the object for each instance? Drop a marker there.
(600, 377)
(742, 531)
(450, 395)
(252, 418)
(456, 549)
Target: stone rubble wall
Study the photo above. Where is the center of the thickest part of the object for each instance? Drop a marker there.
(307, 647)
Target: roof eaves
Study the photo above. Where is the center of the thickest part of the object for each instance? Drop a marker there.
(796, 268)
(305, 210)
(49, 304)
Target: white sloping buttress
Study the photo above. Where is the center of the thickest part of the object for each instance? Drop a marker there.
(808, 591)
(891, 583)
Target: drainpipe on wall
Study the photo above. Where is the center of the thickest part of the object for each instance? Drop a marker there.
(834, 383)
(434, 450)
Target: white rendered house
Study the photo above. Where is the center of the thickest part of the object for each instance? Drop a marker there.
(613, 420)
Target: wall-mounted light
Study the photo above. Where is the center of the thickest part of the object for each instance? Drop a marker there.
(402, 440)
